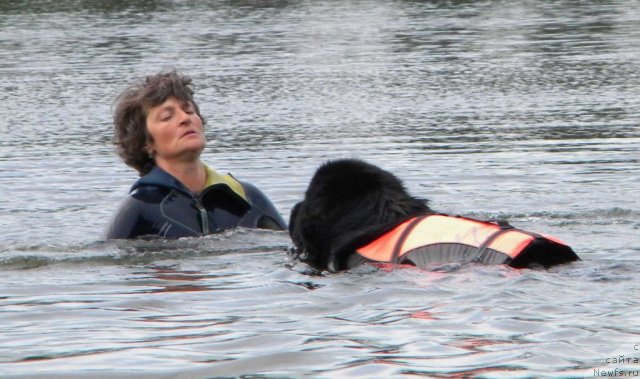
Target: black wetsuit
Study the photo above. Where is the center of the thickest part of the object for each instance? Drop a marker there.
(160, 205)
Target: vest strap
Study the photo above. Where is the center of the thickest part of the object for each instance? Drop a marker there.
(397, 249)
(482, 249)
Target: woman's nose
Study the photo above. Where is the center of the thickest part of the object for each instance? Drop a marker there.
(184, 117)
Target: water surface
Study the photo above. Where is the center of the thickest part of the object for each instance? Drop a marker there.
(522, 110)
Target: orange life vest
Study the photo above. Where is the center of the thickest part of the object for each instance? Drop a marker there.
(442, 238)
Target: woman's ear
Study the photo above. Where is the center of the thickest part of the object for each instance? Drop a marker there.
(149, 150)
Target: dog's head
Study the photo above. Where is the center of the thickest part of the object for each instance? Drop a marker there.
(348, 204)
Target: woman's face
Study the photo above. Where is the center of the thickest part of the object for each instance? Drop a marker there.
(176, 131)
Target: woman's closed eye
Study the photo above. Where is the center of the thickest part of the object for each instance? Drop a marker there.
(166, 116)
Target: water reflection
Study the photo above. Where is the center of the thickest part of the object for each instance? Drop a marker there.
(170, 279)
(61, 6)
(118, 6)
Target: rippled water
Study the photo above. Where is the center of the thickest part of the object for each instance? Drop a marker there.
(519, 109)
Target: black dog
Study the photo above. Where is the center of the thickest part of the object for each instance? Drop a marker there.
(350, 204)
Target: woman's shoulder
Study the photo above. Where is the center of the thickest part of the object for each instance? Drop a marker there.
(261, 203)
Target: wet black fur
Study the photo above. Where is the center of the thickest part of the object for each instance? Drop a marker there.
(348, 204)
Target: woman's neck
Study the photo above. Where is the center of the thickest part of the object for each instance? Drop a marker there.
(191, 174)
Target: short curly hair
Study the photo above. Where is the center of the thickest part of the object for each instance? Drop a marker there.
(132, 107)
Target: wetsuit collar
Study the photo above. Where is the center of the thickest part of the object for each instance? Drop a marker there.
(161, 178)
(213, 178)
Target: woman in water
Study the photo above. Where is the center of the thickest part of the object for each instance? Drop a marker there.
(159, 131)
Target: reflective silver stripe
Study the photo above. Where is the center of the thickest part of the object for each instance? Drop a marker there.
(203, 216)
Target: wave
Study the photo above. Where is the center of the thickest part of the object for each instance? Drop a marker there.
(29, 256)
(596, 215)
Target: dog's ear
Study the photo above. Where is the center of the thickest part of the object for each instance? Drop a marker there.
(307, 234)
(296, 219)
(293, 216)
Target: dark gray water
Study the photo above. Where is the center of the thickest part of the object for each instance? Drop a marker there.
(525, 110)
